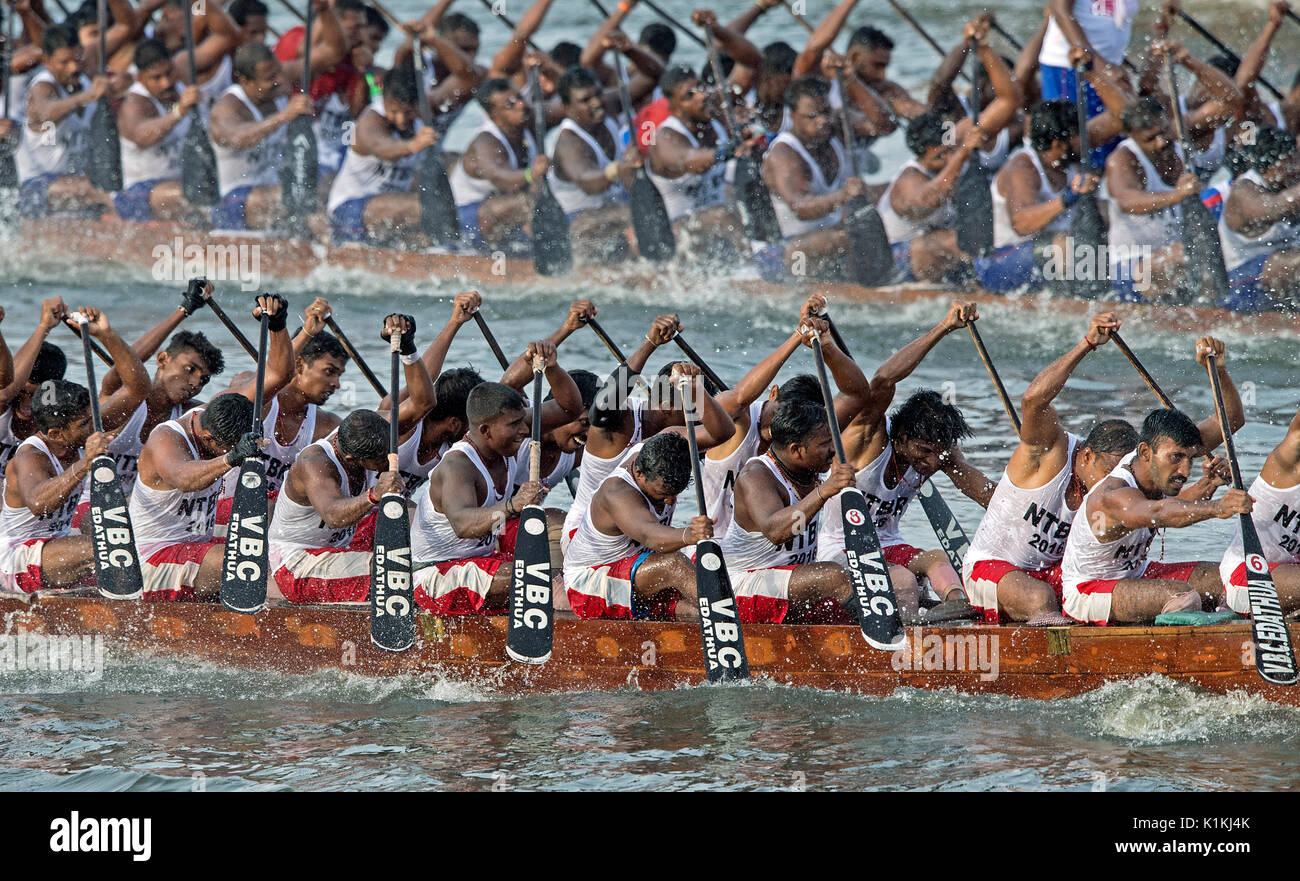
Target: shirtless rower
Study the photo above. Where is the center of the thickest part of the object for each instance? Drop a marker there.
(471, 496)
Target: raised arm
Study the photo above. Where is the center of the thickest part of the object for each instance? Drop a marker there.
(1040, 426)
(1211, 433)
(510, 59)
(821, 38)
(116, 408)
(419, 385)
(52, 312)
(279, 355)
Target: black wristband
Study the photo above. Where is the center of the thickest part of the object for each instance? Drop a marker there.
(279, 320)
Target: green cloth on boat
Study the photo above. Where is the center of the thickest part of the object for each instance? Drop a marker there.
(1196, 619)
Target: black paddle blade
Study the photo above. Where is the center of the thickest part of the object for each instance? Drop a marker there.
(299, 175)
(437, 205)
(392, 596)
(654, 231)
(724, 644)
(871, 262)
(952, 538)
(881, 624)
(552, 251)
(244, 569)
(760, 217)
(1274, 656)
(117, 567)
(974, 203)
(199, 165)
(1088, 231)
(105, 149)
(1207, 274)
(530, 637)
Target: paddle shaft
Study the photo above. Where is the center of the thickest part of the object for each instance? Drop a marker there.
(262, 334)
(829, 401)
(605, 338)
(1081, 107)
(835, 334)
(95, 417)
(189, 45)
(993, 375)
(232, 327)
(356, 356)
(491, 341)
(688, 411)
(728, 116)
(535, 444)
(9, 55)
(507, 22)
(1222, 47)
(306, 49)
(846, 128)
(395, 359)
(94, 346)
(807, 25)
(101, 10)
(1142, 371)
(1179, 131)
(699, 362)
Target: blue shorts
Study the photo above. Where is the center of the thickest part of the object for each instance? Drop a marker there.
(1244, 291)
(34, 195)
(902, 252)
(770, 263)
(1009, 268)
(133, 202)
(347, 222)
(229, 214)
(1059, 83)
(518, 240)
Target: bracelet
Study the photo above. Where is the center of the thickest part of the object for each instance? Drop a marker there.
(611, 172)
(1068, 196)
(510, 507)
(819, 492)
(370, 494)
(1091, 347)
(686, 539)
(528, 175)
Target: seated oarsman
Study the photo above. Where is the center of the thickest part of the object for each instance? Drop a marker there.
(892, 456)
(51, 156)
(372, 198)
(332, 485)
(620, 421)
(1284, 112)
(217, 37)
(1210, 108)
(152, 122)
(248, 130)
(588, 175)
(1276, 492)
(809, 177)
(250, 15)
(945, 99)
(1147, 183)
(1106, 574)
(753, 401)
(1012, 570)
(496, 176)
(41, 489)
(1260, 227)
(35, 362)
(917, 207)
(688, 163)
(451, 44)
(471, 496)
(625, 560)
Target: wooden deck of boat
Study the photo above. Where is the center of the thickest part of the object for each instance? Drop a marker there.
(605, 655)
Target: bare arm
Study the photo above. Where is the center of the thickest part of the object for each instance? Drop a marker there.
(510, 59)
(117, 407)
(167, 455)
(633, 517)
(1131, 509)
(324, 490)
(39, 489)
(821, 38)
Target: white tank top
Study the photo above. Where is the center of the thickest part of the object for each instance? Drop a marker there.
(279, 457)
(897, 227)
(1239, 248)
(571, 196)
(751, 98)
(468, 190)
(433, 539)
(255, 166)
(295, 526)
(550, 481)
(690, 192)
(168, 517)
(1152, 230)
(591, 547)
(746, 550)
(363, 176)
(329, 126)
(1087, 559)
(884, 505)
(1277, 520)
(125, 448)
(719, 475)
(20, 524)
(1107, 24)
(8, 442)
(162, 161)
(446, 113)
(65, 153)
(791, 224)
(1003, 233)
(414, 472)
(22, 82)
(214, 87)
(595, 470)
(1027, 527)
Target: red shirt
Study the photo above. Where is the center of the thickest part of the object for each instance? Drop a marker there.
(647, 119)
(341, 79)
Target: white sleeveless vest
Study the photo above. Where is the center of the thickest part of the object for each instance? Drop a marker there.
(255, 166)
(884, 504)
(65, 152)
(719, 475)
(898, 228)
(690, 192)
(213, 88)
(295, 526)
(20, 524)
(1003, 233)
(746, 550)
(1152, 230)
(162, 161)
(571, 196)
(432, 538)
(168, 517)
(595, 470)
(1239, 248)
(1087, 559)
(468, 190)
(591, 547)
(790, 223)
(1277, 520)
(414, 472)
(364, 176)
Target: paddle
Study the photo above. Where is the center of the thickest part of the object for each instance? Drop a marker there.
(198, 161)
(807, 25)
(993, 375)
(972, 197)
(300, 173)
(881, 624)
(1086, 226)
(117, 565)
(552, 250)
(699, 362)
(605, 338)
(871, 262)
(650, 223)
(530, 635)
(1142, 371)
(501, 16)
(8, 168)
(94, 346)
(720, 633)
(1202, 248)
(356, 357)
(1274, 656)
(491, 341)
(103, 143)
(232, 327)
(755, 201)
(438, 217)
(392, 609)
(835, 334)
(1222, 47)
(244, 569)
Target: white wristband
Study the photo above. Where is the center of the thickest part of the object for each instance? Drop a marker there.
(408, 360)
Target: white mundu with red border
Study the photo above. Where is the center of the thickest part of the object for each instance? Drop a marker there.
(885, 505)
(432, 537)
(22, 533)
(1276, 516)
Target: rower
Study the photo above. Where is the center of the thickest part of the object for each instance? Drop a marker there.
(1260, 227)
(625, 560)
(1285, 112)
(52, 155)
(468, 503)
(250, 15)
(372, 199)
(41, 489)
(213, 53)
(248, 138)
(1012, 569)
(36, 362)
(451, 73)
(893, 455)
(1105, 574)
(152, 121)
(494, 179)
(1210, 110)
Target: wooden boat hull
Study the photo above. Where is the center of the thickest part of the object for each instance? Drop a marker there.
(605, 655)
(152, 249)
